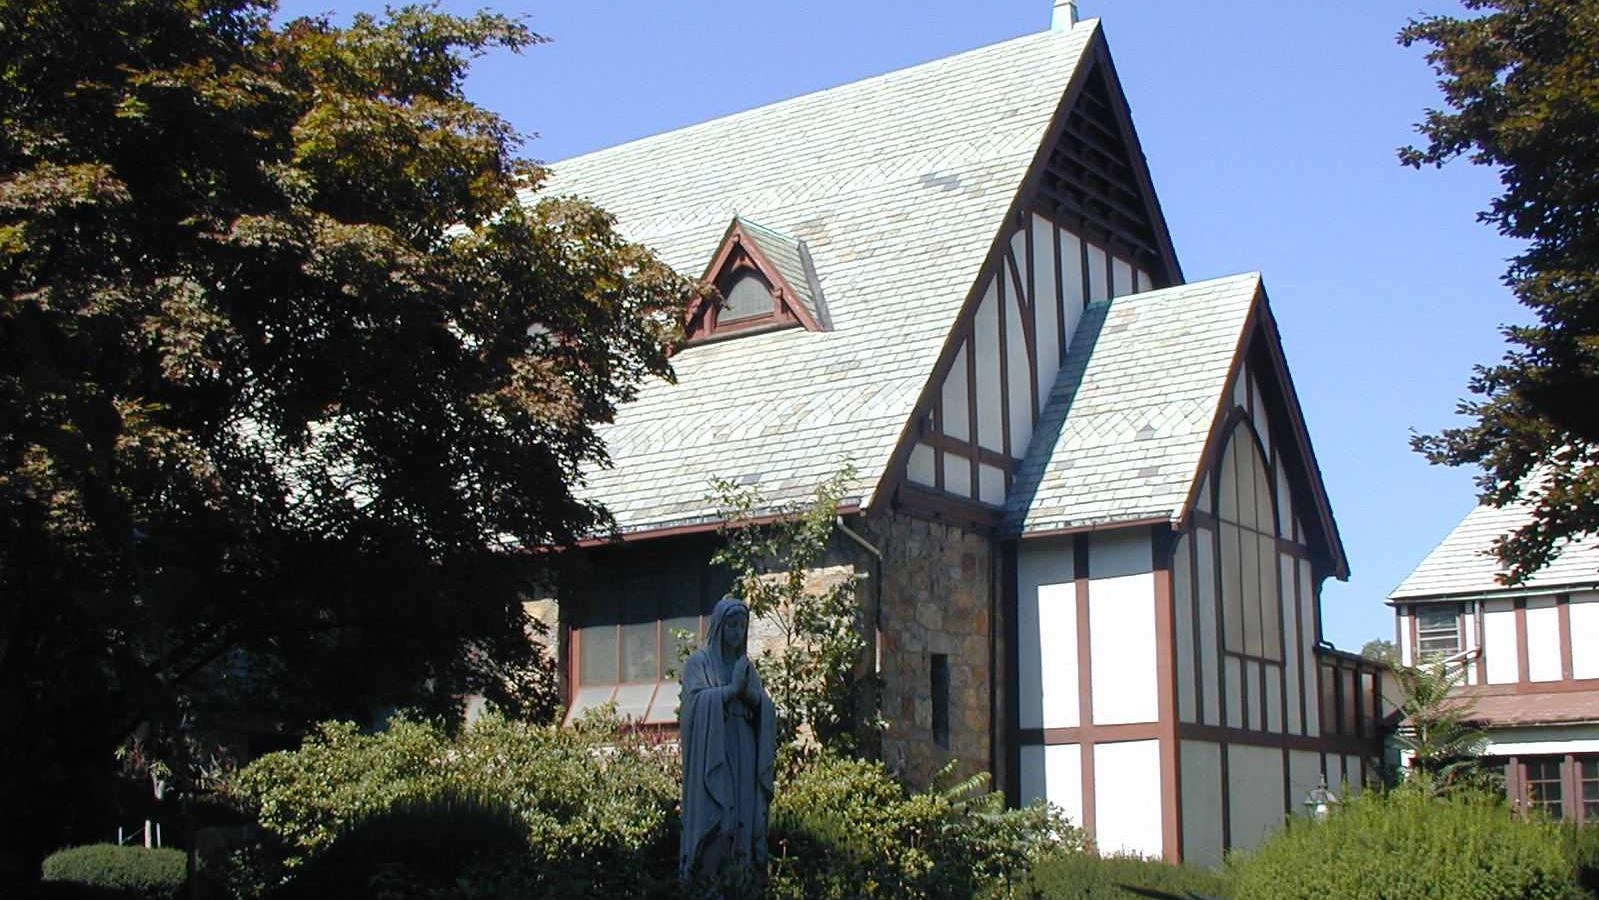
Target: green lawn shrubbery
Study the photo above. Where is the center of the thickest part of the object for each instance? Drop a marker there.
(1083, 876)
(1406, 843)
(845, 828)
(591, 812)
(597, 810)
(132, 872)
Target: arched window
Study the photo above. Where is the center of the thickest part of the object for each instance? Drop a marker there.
(1247, 545)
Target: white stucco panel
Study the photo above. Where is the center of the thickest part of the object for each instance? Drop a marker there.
(1127, 794)
(1543, 639)
(1585, 636)
(1254, 793)
(1121, 617)
(1499, 642)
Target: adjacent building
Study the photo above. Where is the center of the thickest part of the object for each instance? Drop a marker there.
(1086, 512)
(1529, 655)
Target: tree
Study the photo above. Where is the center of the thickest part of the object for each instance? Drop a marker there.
(1380, 650)
(816, 674)
(1436, 729)
(1521, 81)
(294, 359)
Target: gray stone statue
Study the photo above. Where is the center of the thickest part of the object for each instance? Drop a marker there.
(727, 727)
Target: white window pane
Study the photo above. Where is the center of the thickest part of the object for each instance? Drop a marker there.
(746, 299)
(633, 700)
(664, 709)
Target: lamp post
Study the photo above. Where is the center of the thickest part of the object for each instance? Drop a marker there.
(1320, 801)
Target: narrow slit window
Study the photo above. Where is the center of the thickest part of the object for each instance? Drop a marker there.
(940, 692)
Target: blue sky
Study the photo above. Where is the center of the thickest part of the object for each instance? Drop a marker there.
(1270, 130)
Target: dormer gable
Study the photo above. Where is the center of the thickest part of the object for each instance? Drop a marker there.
(763, 280)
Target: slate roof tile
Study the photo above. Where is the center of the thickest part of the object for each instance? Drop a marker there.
(1463, 564)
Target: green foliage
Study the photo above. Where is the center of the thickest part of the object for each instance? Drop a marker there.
(597, 807)
(294, 355)
(1381, 650)
(1407, 843)
(844, 828)
(1521, 82)
(816, 678)
(1437, 729)
(1085, 876)
(131, 872)
(417, 847)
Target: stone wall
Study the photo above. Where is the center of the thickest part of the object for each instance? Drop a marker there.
(936, 599)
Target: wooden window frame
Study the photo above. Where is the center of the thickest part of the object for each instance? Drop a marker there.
(1418, 652)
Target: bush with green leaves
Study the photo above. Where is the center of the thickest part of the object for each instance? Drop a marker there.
(1085, 876)
(598, 807)
(845, 828)
(134, 872)
(1409, 843)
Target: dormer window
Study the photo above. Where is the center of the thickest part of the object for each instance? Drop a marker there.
(748, 297)
(764, 281)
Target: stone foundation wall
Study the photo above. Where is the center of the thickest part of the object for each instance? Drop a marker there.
(936, 599)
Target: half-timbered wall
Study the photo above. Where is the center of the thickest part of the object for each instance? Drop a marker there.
(1005, 361)
(1089, 690)
(1506, 640)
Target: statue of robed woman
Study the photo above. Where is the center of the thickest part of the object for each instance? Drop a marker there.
(727, 726)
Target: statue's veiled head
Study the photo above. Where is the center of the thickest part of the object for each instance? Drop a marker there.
(729, 630)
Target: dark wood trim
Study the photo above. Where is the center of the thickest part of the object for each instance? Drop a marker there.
(1093, 734)
(1085, 678)
(1087, 279)
(922, 502)
(959, 447)
(740, 251)
(1563, 611)
(1326, 743)
(1523, 664)
(1481, 662)
(1161, 552)
(1226, 793)
(647, 534)
(1070, 530)
(1010, 603)
(1415, 636)
(938, 431)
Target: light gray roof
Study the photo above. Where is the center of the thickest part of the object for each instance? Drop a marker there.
(1464, 565)
(897, 185)
(1124, 430)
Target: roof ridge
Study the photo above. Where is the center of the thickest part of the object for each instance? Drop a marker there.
(1086, 27)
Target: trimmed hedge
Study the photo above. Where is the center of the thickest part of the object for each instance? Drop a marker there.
(1408, 844)
(153, 873)
(1084, 876)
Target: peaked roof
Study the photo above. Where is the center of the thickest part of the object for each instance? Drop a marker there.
(792, 260)
(1124, 432)
(1463, 564)
(898, 186)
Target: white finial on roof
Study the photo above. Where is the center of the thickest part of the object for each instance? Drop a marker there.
(1064, 16)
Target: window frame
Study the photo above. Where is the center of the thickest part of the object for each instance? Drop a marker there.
(1236, 636)
(1456, 618)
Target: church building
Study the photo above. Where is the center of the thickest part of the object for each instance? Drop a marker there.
(1085, 511)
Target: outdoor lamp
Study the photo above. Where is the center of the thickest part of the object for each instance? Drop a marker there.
(1320, 801)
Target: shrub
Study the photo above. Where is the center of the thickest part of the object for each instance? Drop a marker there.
(128, 871)
(415, 848)
(1407, 844)
(844, 828)
(1084, 876)
(597, 809)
